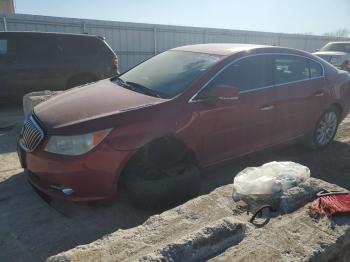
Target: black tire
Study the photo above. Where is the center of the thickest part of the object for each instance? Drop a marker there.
(315, 141)
(176, 186)
(80, 80)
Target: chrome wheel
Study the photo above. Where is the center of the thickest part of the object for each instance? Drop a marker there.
(326, 128)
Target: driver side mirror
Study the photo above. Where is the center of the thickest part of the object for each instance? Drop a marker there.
(316, 50)
(222, 92)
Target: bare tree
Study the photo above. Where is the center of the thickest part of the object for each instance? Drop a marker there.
(339, 33)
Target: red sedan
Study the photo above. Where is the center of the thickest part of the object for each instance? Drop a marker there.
(155, 125)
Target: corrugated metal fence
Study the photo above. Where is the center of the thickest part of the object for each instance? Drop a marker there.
(135, 42)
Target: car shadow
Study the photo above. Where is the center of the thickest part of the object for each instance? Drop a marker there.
(33, 230)
(11, 121)
(331, 164)
(8, 134)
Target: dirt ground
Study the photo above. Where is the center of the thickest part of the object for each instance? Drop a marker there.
(32, 230)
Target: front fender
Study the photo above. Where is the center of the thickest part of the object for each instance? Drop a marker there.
(138, 134)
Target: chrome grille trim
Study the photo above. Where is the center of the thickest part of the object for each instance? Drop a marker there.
(31, 135)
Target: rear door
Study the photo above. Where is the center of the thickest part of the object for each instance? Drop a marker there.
(37, 60)
(301, 94)
(232, 128)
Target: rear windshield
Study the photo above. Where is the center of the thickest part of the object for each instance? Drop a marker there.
(338, 47)
(171, 72)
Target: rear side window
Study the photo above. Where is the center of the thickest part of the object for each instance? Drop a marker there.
(7, 46)
(289, 68)
(80, 46)
(315, 69)
(3, 46)
(347, 48)
(37, 47)
(338, 47)
(246, 74)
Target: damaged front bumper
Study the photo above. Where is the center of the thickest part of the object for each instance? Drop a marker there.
(89, 177)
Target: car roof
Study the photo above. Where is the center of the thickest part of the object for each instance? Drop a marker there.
(34, 33)
(340, 42)
(219, 49)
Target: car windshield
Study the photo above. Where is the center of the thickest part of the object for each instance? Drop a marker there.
(167, 74)
(338, 47)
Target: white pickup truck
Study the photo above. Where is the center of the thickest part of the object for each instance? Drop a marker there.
(336, 53)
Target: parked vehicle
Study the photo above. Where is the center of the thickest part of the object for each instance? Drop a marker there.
(33, 61)
(191, 107)
(336, 53)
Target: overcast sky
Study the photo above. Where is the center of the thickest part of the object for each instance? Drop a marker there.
(297, 16)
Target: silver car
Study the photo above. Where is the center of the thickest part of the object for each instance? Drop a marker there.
(336, 53)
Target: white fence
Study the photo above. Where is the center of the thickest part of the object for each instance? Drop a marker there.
(135, 42)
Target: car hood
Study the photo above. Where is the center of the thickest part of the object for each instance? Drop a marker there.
(89, 102)
(330, 53)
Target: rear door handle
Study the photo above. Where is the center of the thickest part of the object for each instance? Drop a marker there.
(319, 93)
(266, 108)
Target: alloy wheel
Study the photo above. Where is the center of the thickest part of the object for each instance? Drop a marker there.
(326, 128)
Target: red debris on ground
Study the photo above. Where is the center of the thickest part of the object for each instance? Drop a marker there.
(331, 205)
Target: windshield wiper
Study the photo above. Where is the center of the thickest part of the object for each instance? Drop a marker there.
(124, 84)
(143, 89)
(121, 82)
(137, 87)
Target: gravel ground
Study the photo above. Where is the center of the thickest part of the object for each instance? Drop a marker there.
(31, 230)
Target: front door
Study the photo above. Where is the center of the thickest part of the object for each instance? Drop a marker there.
(230, 128)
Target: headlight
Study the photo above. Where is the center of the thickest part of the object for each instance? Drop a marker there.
(75, 145)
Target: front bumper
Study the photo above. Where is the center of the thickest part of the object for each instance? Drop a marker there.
(91, 177)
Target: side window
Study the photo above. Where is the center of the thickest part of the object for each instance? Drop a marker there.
(7, 46)
(347, 48)
(289, 68)
(315, 69)
(79, 46)
(3, 47)
(37, 47)
(246, 74)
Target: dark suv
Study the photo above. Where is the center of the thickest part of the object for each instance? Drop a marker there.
(33, 61)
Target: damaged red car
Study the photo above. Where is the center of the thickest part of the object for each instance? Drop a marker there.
(153, 127)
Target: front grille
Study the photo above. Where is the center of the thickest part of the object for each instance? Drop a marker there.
(31, 135)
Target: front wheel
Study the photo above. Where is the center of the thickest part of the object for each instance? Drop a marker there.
(326, 128)
(167, 188)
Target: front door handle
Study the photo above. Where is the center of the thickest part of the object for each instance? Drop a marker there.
(319, 93)
(266, 108)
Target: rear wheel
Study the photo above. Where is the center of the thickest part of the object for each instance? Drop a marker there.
(326, 128)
